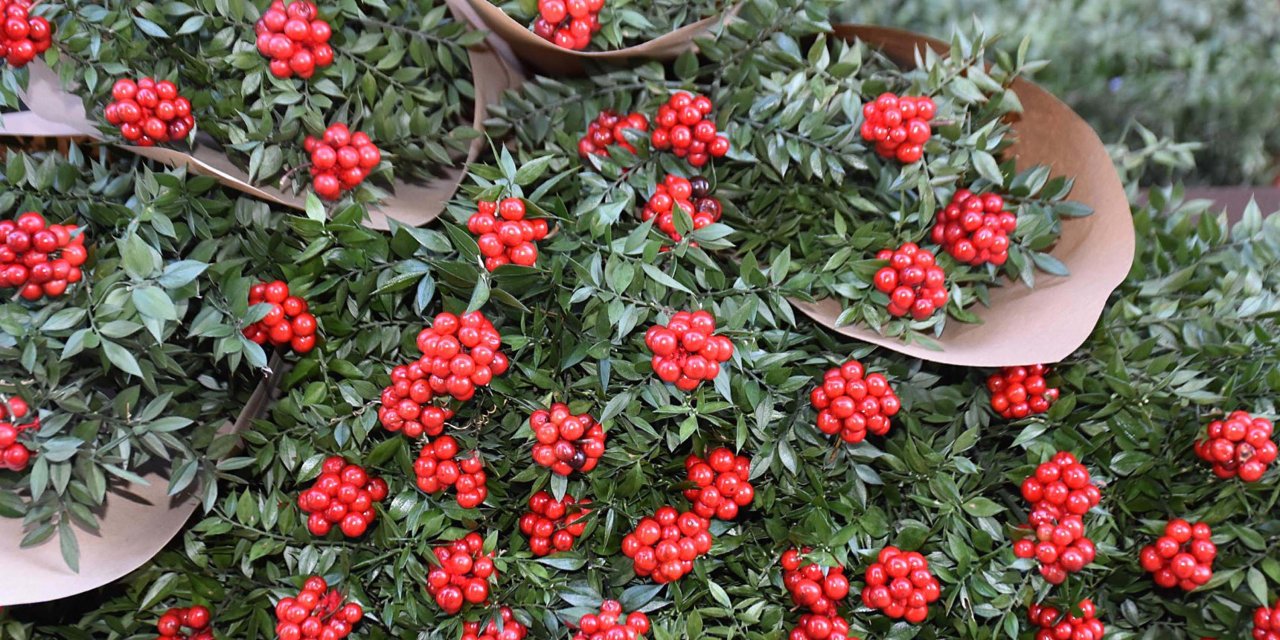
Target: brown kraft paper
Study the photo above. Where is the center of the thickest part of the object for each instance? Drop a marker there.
(136, 522)
(553, 60)
(1049, 322)
(55, 112)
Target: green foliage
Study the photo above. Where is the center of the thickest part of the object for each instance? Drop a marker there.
(401, 73)
(1189, 336)
(1187, 70)
(625, 23)
(134, 364)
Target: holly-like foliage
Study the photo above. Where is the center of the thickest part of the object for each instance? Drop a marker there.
(1189, 336)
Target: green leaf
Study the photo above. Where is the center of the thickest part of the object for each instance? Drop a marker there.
(121, 358)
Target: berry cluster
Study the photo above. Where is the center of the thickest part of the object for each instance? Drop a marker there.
(460, 353)
(317, 612)
(1266, 622)
(850, 403)
(609, 624)
(666, 545)
(899, 126)
(343, 495)
(565, 442)
(149, 112)
(1054, 625)
(552, 525)
(38, 258)
(1017, 392)
(511, 628)
(685, 352)
(463, 575)
(900, 584)
(608, 129)
(817, 590)
(1182, 557)
(568, 23)
(1240, 445)
(509, 240)
(974, 228)
(23, 37)
(1060, 545)
(340, 160)
(14, 455)
(692, 195)
(185, 624)
(813, 626)
(1059, 484)
(913, 281)
(295, 38)
(682, 127)
(721, 484)
(406, 404)
(437, 469)
(288, 323)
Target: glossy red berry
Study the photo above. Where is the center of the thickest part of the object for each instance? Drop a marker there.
(684, 127)
(568, 23)
(564, 442)
(504, 627)
(438, 467)
(663, 547)
(685, 351)
(612, 624)
(609, 129)
(316, 612)
(39, 259)
(288, 323)
(553, 525)
(851, 403)
(343, 497)
(1052, 624)
(898, 126)
(674, 194)
(721, 482)
(144, 116)
(913, 281)
(464, 575)
(22, 36)
(975, 228)
(1238, 446)
(1182, 557)
(191, 623)
(340, 160)
(899, 584)
(504, 235)
(1017, 392)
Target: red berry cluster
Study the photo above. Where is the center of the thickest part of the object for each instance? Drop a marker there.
(850, 403)
(552, 525)
(1017, 392)
(295, 38)
(317, 612)
(1266, 622)
(460, 353)
(975, 228)
(813, 626)
(683, 128)
(608, 129)
(340, 160)
(1055, 625)
(406, 404)
(721, 484)
(149, 112)
(568, 23)
(666, 545)
(23, 37)
(343, 495)
(38, 258)
(463, 575)
(1060, 545)
(900, 584)
(1240, 445)
(14, 455)
(609, 624)
(565, 442)
(913, 280)
(1182, 557)
(692, 195)
(1061, 485)
(511, 628)
(899, 126)
(436, 470)
(185, 624)
(288, 323)
(509, 240)
(811, 586)
(685, 352)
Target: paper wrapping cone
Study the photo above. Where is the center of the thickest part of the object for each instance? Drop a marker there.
(55, 112)
(135, 522)
(1049, 322)
(557, 61)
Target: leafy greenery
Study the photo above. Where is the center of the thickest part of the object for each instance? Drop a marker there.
(1188, 70)
(401, 73)
(1190, 335)
(625, 23)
